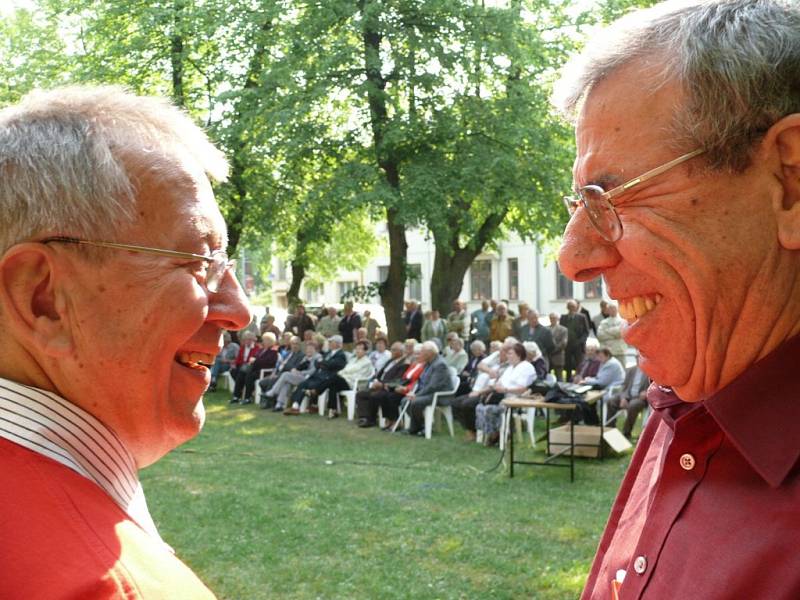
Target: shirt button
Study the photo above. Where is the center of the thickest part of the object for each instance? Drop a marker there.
(640, 565)
(687, 462)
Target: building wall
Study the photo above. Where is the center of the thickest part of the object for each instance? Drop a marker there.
(537, 278)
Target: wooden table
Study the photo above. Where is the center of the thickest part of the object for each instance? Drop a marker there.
(537, 401)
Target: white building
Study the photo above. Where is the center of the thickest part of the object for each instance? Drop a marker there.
(517, 271)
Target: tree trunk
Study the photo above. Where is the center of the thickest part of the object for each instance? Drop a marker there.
(393, 288)
(447, 278)
(298, 274)
(450, 263)
(176, 57)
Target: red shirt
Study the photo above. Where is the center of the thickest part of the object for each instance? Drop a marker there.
(710, 506)
(62, 536)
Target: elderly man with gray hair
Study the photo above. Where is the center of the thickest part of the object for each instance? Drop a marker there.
(115, 291)
(687, 202)
(434, 378)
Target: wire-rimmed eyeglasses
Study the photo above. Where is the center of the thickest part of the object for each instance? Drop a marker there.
(599, 207)
(218, 263)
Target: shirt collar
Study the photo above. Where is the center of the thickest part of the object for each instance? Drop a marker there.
(51, 426)
(759, 412)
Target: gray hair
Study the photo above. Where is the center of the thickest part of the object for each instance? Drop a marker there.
(532, 348)
(738, 62)
(477, 347)
(66, 157)
(431, 346)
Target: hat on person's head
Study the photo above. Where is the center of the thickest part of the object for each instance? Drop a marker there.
(337, 338)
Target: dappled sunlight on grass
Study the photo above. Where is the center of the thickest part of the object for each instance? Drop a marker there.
(267, 506)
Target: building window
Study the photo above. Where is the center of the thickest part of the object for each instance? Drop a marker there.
(312, 293)
(281, 270)
(480, 280)
(414, 287)
(383, 273)
(346, 286)
(563, 285)
(513, 279)
(593, 289)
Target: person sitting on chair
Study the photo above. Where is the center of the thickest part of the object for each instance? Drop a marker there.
(322, 379)
(368, 401)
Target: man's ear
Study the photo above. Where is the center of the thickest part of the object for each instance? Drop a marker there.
(34, 306)
(786, 136)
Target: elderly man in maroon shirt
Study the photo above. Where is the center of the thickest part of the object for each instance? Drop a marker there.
(687, 201)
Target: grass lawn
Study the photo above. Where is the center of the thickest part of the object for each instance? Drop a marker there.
(266, 506)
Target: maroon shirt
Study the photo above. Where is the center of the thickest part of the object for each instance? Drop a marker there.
(710, 505)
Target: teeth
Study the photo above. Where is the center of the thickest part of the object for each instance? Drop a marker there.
(195, 360)
(638, 306)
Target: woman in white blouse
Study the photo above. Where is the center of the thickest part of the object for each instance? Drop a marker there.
(513, 381)
(359, 367)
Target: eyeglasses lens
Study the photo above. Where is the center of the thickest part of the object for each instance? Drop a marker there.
(601, 213)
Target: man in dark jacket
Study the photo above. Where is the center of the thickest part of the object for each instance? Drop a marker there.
(577, 331)
(299, 322)
(368, 401)
(435, 378)
(533, 331)
(413, 320)
(322, 379)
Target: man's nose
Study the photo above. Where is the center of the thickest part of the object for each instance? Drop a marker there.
(229, 305)
(584, 254)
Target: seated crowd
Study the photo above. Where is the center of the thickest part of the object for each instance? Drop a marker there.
(317, 357)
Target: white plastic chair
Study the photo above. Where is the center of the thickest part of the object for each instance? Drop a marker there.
(228, 379)
(446, 411)
(350, 395)
(528, 415)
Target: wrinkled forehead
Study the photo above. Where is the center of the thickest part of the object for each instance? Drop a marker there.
(174, 198)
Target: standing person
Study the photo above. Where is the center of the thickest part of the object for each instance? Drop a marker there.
(371, 326)
(533, 331)
(598, 318)
(458, 320)
(609, 334)
(520, 320)
(268, 326)
(560, 335)
(577, 331)
(413, 320)
(349, 325)
(328, 325)
(585, 312)
(299, 322)
(480, 324)
(435, 329)
(698, 103)
(115, 292)
(501, 326)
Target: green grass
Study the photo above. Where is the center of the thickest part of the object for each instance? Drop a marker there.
(266, 506)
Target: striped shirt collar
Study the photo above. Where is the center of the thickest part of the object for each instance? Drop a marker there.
(49, 425)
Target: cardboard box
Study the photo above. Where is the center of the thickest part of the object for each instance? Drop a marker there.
(585, 434)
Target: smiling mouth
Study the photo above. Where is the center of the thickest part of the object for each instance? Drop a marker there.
(195, 360)
(636, 307)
